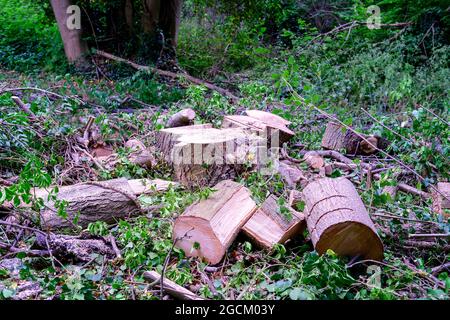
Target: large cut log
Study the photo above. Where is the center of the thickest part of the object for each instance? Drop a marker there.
(107, 201)
(205, 156)
(275, 132)
(268, 117)
(337, 220)
(337, 137)
(207, 228)
(269, 226)
(182, 118)
(441, 202)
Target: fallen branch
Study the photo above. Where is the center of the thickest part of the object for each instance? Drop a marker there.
(429, 235)
(170, 74)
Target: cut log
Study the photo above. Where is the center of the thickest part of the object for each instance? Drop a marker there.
(205, 156)
(337, 220)
(268, 226)
(107, 201)
(441, 204)
(182, 118)
(290, 173)
(274, 131)
(171, 287)
(337, 137)
(207, 228)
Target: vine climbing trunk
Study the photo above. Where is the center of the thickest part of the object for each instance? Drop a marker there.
(74, 47)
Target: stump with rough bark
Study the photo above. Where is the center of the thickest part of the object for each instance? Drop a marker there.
(205, 156)
(337, 220)
(207, 228)
(269, 225)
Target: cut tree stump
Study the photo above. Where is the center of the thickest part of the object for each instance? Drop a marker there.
(205, 156)
(337, 137)
(182, 118)
(266, 125)
(107, 201)
(207, 228)
(441, 204)
(337, 219)
(268, 226)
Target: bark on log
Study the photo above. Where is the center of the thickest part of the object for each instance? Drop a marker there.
(268, 226)
(441, 205)
(207, 228)
(182, 118)
(337, 137)
(205, 156)
(267, 117)
(107, 201)
(171, 287)
(337, 220)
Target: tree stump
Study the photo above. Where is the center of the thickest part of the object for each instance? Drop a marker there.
(207, 228)
(205, 156)
(337, 220)
(269, 226)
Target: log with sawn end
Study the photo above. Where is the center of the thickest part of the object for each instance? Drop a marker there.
(207, 228)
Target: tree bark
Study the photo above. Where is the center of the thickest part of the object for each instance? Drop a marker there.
(207, 228)
(169, 20)
(150, 16)
(337, 220)
(74, 47)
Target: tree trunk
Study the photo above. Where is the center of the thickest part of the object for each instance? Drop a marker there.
(75, 48)
(129, 11)
(337, 220)
(150, 16)
(207, 228)
(169, 20)
(268, 226)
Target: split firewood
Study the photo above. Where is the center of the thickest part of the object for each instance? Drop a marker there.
(271, 129)
(107, 201)
(337, 220)
(441, 204)
(269, 225)
(208, 227)
(182, 118)
(337, 137)
(205, 156)
(171, 287)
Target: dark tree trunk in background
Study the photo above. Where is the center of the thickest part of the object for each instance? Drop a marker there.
(169, 20)
(129, 14)
(150, 15)
(74, 47)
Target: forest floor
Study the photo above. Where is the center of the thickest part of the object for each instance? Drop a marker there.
(44, 150)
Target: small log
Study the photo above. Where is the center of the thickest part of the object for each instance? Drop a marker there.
(269, 226)
(171, 287)
(441, 204)
(337, 137)
(182, 118)
(290, 173)
(267, 117)
(314, 160)
(337, 220)
(107, 201)
(207, 228)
